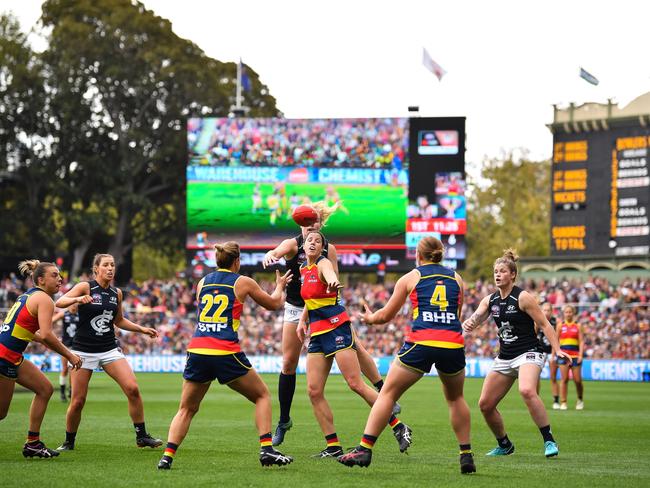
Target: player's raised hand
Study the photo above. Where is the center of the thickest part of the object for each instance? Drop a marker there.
(151, 332)
(333, 285)
(366, 315)
(469, 325)
(269, 259)
(283, 280)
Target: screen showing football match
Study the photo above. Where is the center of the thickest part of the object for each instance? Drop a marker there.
(245, 177)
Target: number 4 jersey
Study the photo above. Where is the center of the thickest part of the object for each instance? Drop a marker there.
(218, 316)
(435, 301)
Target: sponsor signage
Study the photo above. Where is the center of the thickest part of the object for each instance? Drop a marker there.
(592, 369)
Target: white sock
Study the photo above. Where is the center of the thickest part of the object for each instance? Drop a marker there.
(62, 379)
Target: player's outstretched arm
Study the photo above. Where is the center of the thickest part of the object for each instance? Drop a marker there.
(461, 296)
(245, 286)
(80, 293)
(333, 257)
(44, 309)
(328, 275)
(125, 324)
(288, 247)
(529, 305)
(479, 316)
(401, 292)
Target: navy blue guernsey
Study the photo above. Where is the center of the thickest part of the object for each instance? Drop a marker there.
(516, 328)
(435, 301)
(218, 316)
(544, 343)
(95, 332)
(294, 264)
(70, 324)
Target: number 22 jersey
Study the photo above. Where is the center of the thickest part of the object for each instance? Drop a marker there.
(218, 316)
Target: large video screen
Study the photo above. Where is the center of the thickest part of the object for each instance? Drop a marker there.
(437, 203)
(245, 176)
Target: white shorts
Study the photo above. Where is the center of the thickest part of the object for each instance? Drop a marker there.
(510, 367)
(292, 313)
(94, 360)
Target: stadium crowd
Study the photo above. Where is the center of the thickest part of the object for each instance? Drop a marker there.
(615, 317)
(357, 143)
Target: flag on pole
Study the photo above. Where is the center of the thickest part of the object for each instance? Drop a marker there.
(431, 65)
(588, 77)
(245, 80)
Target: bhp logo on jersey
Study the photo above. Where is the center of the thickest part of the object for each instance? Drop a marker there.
(99, 323)
(439, 317)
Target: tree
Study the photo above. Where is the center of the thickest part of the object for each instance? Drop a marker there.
(25, 167)
(121, 85)
(508, 206)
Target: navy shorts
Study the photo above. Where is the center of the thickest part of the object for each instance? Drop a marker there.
(574, 362)
(421, 358)
(9, 370)
(333, 341)
(203, 368)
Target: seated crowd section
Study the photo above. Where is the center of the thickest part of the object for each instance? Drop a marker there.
(614, 316)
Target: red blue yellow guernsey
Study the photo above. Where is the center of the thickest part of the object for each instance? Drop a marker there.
(325, 310)
(570, 338)
(218, 316)
(18, 329)
(435, 300)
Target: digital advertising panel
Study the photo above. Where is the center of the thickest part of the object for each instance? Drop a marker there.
(437, 204)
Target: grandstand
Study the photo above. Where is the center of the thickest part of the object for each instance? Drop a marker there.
(614, 315)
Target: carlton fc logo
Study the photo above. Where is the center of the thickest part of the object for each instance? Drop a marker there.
(100, 323)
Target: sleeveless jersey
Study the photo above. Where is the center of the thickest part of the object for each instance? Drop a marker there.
(435, 300)
(70, 324)
(294, 264)
(18, 329)
(569, 337)
(325, 310)
(516, 328)
(218, 316)
(544, 344)
(95, 331)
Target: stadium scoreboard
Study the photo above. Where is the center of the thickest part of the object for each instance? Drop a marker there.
(600, 192)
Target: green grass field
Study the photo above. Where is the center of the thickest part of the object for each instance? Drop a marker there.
(225, 209)
(604, 445)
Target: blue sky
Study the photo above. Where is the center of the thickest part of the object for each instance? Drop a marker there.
(507, 62)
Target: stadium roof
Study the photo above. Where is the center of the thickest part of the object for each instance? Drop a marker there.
(593, 116)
